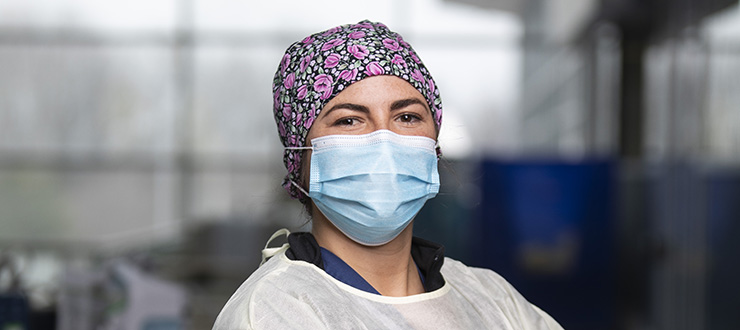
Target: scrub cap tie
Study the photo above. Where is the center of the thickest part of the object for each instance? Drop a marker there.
(320, 66)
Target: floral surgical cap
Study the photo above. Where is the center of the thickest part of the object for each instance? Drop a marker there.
(319, 67)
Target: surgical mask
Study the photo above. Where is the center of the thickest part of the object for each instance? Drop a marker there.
(371, 186)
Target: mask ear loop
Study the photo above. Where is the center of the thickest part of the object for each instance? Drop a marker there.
(298, 187)
(293, 182)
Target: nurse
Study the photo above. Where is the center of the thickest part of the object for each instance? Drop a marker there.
(359, 115)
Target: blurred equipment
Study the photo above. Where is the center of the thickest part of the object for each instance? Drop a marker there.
(13, 312)
(119, 297)
(13, 305)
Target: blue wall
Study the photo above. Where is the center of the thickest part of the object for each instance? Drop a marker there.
(547, 226)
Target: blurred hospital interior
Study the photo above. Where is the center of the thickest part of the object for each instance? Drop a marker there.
(591, 154)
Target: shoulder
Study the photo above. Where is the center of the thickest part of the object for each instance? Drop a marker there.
(274, 287)
(493, 283)
(491, 290)
(455, 269)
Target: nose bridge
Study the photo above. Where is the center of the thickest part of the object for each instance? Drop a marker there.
(380, 118)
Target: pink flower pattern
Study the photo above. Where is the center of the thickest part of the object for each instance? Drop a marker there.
(302, 91)
(311, 117)
(348, 75)
(391, 44)
(332, 60)
(321, 65)
(358, 51)
(363, 25)
(284, 63)
(374, 69)
(356, 35)
(287, 110)
(331, 31)
(289, 81)
(414, 57)
(331, 44)
(324, 84)
(398, 60)
(305, 62)
(416, 75)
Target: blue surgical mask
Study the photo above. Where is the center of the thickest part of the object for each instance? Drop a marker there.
(371, 186)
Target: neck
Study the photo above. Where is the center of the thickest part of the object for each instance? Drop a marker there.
(389, 268)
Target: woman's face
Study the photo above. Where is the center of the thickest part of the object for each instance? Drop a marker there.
(379, 102)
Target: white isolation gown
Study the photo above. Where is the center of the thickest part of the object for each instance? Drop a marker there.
(293, 294)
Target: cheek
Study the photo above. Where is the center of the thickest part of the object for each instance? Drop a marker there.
(430, 130)
(305, 168)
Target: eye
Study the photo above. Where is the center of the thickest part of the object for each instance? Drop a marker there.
(408, 117)
(347, 121)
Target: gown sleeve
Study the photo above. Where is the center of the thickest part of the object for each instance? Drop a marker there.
(264, 306)
(520, 312)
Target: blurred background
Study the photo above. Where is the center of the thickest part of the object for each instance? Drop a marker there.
(592, 154)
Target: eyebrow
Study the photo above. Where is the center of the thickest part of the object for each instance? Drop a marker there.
(397, 105)
(349, 106)
(400, 104)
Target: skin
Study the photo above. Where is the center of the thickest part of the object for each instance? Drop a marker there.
(380, 102)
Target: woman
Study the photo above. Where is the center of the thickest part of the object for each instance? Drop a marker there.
(359, 115)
